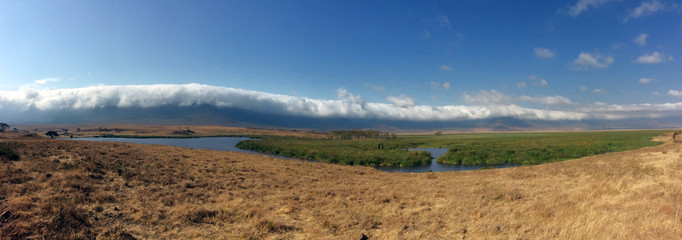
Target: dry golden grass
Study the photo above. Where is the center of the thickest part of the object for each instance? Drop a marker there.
(76, 189)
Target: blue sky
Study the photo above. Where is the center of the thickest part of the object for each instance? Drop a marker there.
(540, 55)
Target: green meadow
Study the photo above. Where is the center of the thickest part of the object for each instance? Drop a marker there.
(467, 149)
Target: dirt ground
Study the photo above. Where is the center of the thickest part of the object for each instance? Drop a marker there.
(105, 190)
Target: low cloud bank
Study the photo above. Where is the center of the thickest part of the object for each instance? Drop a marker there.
(485, 104)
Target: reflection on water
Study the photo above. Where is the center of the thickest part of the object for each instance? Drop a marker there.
(227, 144)
(437, 167)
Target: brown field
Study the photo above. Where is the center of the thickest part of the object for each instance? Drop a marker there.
(167, 131)
(104, 190)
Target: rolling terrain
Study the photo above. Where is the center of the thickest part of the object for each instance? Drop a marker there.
(106, 190)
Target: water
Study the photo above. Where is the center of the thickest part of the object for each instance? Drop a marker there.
(438, 167)
(212, 143)
(227, 144)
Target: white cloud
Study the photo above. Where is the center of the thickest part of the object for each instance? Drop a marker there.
(641, 39)
(521, 84)
(347, 105)
(487, 104)
(46, 80)
(582, 88)
(645, 80)
(446, 85)
(583, 5)
(543, 53)
(532, 77)
(445, 68)
(401, 101)
(654, 58)
(547, 100)
(587, 61)
(597, 90)
(655, 93)
(646, 8)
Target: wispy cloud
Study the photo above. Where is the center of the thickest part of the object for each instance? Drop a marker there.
(444, 21)
(547, 100)
(445, 68)
(375, 88)
(641, 39)
(655, 57)
(584, 5)
(401, 101)
(582, 88)
(521, 84)
(589, 61)
(644, 9)
(645, 80)
(439, 85)
(46, 80)
(487, 98)
(542, 83)
(446, 85)
(543, 53)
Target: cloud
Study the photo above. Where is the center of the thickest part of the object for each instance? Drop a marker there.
(487, 104)
(426, 35)
(641, 39)
(444, 21)
(543, 53)
(439, 85)
(547, 100)
(645, 80)
(445, 68)
(646, 8)
(542, 83)
(401, 101)
(654, 58)
(46, 80)
(375, 88)
(597, 90)
(486, 98)
(584, 5)
(521, 84)
(588, 61)
(582, 88)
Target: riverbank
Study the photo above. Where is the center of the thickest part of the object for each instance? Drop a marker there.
(65, 189)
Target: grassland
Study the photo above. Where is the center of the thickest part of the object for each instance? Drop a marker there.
(106, 190)
(468, 149)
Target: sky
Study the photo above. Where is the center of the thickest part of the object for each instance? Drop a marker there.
(413, 60)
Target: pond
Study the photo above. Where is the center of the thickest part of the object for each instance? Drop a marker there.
(438, 167)
(212, 143)
(228, 144)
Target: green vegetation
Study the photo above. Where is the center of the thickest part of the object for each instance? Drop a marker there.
(468, 149)
(543, 148)
(371, 152)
